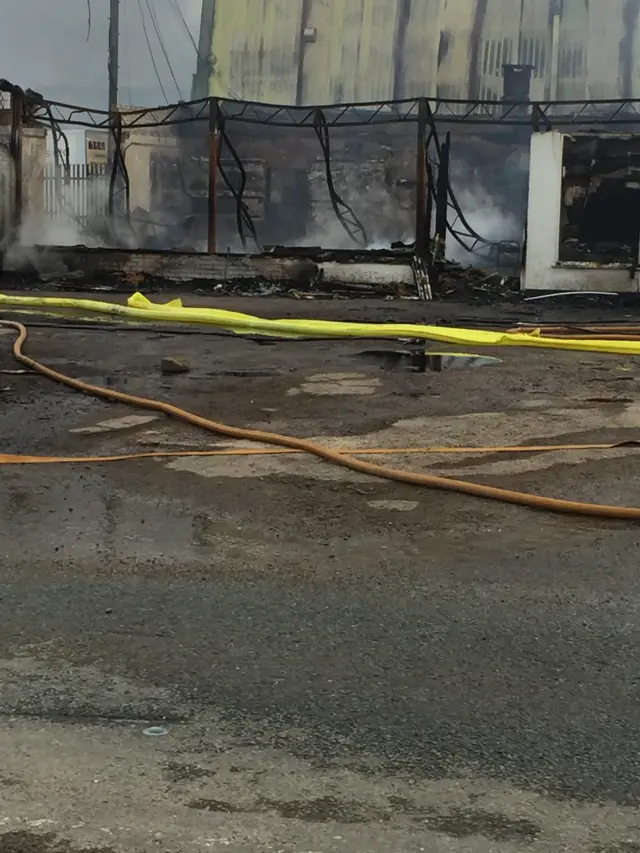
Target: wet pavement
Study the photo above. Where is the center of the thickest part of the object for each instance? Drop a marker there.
(340, 663)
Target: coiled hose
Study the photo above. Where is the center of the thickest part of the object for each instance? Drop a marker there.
(431, 481)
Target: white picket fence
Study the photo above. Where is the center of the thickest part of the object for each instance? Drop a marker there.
(79, 191)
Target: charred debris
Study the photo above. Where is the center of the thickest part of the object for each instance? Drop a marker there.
(600, 218)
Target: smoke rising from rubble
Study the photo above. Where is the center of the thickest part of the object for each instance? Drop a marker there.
(37, 234)
(386, 213)
(485, 216)
(493, 200)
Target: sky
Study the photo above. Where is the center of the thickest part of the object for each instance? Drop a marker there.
(44, 46)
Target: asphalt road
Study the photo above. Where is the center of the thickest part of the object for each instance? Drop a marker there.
(339, 663)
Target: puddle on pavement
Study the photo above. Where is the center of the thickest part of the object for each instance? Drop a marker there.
(422, 361)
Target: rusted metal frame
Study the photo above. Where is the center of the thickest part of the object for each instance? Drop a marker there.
(290, 120)
(617, 113)
(169, 118)
(16, 150)
(351, 115)
(214, 129)
(442, 200)
(166, 119)
(372, 117)
(422, 227)
(508, 110)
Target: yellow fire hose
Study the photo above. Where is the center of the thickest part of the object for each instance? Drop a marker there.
(311, 447)
(138, 307)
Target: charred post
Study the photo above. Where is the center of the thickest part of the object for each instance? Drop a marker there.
(422, 224)
(213, 174)
(442, 199)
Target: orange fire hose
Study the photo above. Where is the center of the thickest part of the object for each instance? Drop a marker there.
(26, 459)
(300, 444)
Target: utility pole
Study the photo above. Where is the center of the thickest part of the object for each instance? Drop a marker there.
(114, 39)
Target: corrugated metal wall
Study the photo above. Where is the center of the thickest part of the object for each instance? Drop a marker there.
(352, 56)
(360, 50)
(255, 49)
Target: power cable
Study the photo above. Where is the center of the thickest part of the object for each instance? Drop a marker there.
(156, 27)
(470, 234)
(244, 220)
(176, 6)
(153, 60)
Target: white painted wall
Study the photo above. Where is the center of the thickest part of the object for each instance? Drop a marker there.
(77, 148)
(363, 273)
(543, 271)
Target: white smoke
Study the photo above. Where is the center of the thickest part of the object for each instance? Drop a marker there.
(484, 216)
(483, 195)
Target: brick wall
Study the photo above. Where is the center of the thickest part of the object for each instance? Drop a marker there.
(131, 266)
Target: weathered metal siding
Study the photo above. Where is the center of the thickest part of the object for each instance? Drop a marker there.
(454, 28)
(603, 40)
(499, 43)
(533, 36)
(370, 49)
(361, 50)
(417, 47)
(255, 49)
(352, 56)
(572, 53)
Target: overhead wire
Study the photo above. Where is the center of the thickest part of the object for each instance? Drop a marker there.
(156, 27)
(150, 49)
(176, 6)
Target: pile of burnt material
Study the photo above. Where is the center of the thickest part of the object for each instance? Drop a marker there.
(470, 284)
